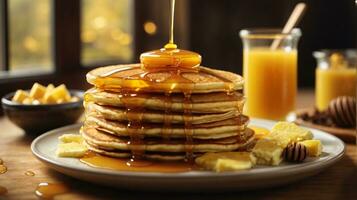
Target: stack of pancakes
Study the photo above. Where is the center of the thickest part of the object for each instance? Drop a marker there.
(161, 117)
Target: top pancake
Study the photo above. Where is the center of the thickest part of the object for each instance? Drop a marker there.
(206, 80)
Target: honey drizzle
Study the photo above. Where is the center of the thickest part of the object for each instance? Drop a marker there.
(29, 173)
(166, 130)
(188, 126)
(171, 40)
(134, 113)
(3, 168)
(50, 190)
(3, 190)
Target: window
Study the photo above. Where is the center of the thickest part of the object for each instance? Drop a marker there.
(107, 31)
(29, 35)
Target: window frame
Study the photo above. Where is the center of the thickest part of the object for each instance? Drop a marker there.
(4, 36)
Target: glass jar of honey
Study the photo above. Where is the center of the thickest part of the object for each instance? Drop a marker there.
(335, 75)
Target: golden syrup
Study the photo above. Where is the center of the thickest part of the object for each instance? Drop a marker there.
(3, 169)
(187, 116)
(166, 129)
(118, 164)
(50, 190)
(3, 190)
(134, 113)
(30, 173)
(171, 44)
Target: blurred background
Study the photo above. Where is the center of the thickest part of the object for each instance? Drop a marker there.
(60, 40)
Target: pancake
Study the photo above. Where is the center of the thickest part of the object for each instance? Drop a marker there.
(108, 141)
(220, 129)
(165, 112)
(206, 80)
(127, 154)
(114, 113)
(200, 103)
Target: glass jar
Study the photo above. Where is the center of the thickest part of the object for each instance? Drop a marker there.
(270, 72)
(335, 75)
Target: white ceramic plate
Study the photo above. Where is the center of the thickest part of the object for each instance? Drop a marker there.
(44, 148)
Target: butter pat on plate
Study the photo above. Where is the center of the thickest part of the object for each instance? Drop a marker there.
(68, 138)
(314, 147)
(268, 152)
(72, 150)
(286, 132)
(71, 145)
(226, 161)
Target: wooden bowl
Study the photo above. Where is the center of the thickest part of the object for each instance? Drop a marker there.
(348, 135)
(35, 119)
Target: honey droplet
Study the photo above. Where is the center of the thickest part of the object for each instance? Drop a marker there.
(50, 190)
(30, 173)
(170, 46)
(1, 161)
(3, 190)
(3, 169)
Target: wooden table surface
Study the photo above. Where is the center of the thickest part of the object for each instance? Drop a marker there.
(337, 182)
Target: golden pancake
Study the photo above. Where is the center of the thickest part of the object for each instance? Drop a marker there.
(127, 154)
(221, 129)
(108, 141)
(114, 113)
(206, 80)
(217, 102)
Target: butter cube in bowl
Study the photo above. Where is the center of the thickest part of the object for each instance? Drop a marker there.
(43, 108)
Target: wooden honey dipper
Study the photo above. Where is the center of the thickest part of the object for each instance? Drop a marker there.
(342, 110)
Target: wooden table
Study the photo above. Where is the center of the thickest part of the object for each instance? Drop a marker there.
(337, 182)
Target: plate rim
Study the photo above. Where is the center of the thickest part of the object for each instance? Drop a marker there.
(305, 167)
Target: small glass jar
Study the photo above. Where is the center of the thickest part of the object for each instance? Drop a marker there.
(270, 72)
(335, 75)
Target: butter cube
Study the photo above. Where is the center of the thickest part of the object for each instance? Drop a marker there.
(69, 138)
(285, 133)
(20, 96)
(37, 91)
(27, 100)
(226, 161)
(314, 147)
(58, 94)
(224, 164)
(50, 87)
(268, 152)
(73, 150)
